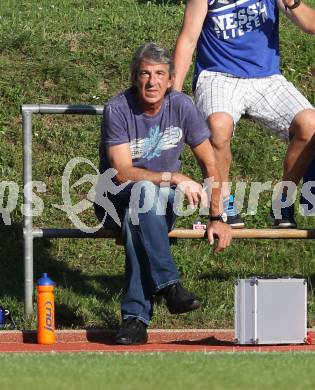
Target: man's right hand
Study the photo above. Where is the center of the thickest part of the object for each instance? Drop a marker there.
(222, 232)
(192, 190)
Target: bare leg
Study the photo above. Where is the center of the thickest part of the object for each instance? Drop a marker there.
(300, 153)
(221, 127)
(301, 148)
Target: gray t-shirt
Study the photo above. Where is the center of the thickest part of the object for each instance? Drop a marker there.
(156, 142)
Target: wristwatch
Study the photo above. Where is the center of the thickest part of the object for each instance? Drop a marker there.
(294, 5)
(221, 217)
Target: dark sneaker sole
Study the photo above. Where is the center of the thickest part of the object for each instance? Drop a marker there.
(285, 225)
(185, 309)
(127, 342)
(282, 225)
(235, 222)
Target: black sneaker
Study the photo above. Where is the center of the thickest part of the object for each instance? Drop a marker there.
(132, 332)
(179, 300)
(287, 220)
(233, 217)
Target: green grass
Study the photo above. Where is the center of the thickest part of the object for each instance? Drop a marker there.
(70, 51)
(156, 371)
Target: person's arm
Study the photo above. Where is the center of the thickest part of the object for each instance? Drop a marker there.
(205, 155)
(195, 13)
(120, 159)
(303, 15)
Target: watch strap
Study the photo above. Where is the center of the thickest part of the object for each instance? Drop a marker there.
(215, 218)
(220, 217)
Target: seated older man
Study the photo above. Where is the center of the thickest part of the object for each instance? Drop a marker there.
(143, 134)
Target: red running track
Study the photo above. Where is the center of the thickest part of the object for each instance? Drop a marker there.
(159, 341)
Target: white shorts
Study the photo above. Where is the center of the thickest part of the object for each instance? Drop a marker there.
(271, 101)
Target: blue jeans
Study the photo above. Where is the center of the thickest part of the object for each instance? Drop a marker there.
(149, 266)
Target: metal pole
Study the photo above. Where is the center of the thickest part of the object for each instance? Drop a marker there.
(28, 219)
(77, 109)
(72, 109)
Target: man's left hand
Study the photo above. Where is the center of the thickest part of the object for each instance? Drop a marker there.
(222, 232)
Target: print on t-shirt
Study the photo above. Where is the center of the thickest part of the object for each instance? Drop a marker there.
(157, 141)
(240, 21)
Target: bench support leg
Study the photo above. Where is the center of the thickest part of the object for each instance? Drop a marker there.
(28, 219)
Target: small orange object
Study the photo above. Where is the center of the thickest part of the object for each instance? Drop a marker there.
(309, 338)
(45, 311)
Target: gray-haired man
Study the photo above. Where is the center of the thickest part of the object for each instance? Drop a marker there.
(143, 134)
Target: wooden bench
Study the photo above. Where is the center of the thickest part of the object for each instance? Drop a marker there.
(180, 233)
(30, 232)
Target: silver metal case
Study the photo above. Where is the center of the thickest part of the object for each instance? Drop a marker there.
(270, 311)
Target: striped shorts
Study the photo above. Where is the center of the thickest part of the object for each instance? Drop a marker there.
(271, 101)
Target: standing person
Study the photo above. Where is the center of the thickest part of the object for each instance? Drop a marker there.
(143, 134)
(237, 72)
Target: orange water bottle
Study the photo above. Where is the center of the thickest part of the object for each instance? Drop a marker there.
(45, 311)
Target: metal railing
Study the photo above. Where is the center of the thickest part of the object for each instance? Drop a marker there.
(27, 112)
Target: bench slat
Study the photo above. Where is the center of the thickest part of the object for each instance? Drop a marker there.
(180, 233)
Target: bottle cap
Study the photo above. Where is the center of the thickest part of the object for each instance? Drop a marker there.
(45, 281)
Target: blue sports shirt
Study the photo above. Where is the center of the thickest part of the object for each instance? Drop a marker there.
(239, 38)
